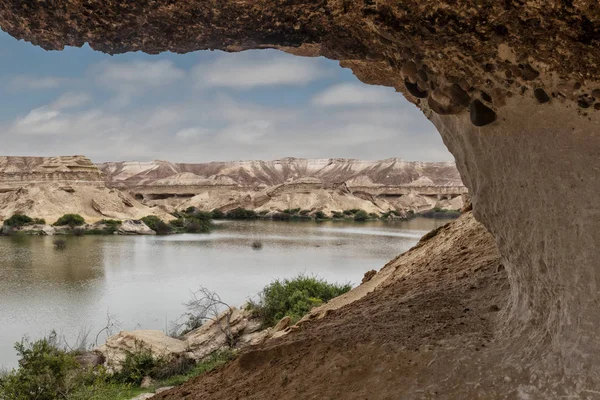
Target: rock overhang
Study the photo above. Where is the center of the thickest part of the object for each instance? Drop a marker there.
(448, 57)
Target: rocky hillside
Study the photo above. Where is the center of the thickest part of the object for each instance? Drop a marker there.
(323, 184)
(48, 188)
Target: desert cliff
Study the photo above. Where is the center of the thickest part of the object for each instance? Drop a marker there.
(49, 187)
(320, 184)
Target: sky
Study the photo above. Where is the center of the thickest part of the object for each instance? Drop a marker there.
(200, 107)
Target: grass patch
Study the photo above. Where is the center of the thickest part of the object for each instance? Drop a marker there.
(102, 390)
(215, 360)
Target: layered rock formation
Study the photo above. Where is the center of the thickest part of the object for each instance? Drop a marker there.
(16, 172)
(511, 86)
(51, 187)
(326, 184)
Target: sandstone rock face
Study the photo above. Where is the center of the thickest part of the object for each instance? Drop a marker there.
(69, 171)
(196, 345)
(116, 347)
(49, 187)
(135, 227)
(322, 184)
(473, 68)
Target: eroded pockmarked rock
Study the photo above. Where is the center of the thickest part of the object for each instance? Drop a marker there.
(419, 47)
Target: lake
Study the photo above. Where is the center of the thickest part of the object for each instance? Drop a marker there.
(143, 280)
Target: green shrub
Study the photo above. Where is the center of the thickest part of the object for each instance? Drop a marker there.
(263, 212)
(216, 359)
(18, 220)
(111, 222)
(199, 226)
(157, 225)
(111, 226)
(347, 212)
(202, 215)
(337, 214)
(373, 215)
(304, 212)
(320, 215)
(39, 221)
(71, 220)
(440, 213)
(138, 364)
(361, 215)
(217, 214)
(292, 211)
(198, 222)
(190, 210)
(45, 372)
(294, 298)
(241, 213)
(177, 223)
(151, 221)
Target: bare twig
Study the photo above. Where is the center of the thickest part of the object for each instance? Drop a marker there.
(205, 306)
(111, 324)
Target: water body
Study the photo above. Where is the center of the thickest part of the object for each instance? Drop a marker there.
(144, 280)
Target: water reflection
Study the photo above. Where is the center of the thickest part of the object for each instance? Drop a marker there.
(145, 280)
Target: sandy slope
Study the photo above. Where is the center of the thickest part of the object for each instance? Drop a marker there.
(400, 336)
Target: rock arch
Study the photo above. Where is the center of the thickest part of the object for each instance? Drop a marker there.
(513, 87)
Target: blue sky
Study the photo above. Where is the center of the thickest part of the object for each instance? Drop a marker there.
(199, 107)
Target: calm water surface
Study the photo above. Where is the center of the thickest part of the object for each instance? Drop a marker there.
(144, 280)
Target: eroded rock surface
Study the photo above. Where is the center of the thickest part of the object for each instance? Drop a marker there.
(196, 345)
(272, 186)
(49, 187)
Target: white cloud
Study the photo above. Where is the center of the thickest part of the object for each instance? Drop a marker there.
(24, 82)
(192, 133)
(245, 133)
(71, 100)
(134, 78)
(137, 74)
(245, 71)
(349, 94)
(345, 120)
